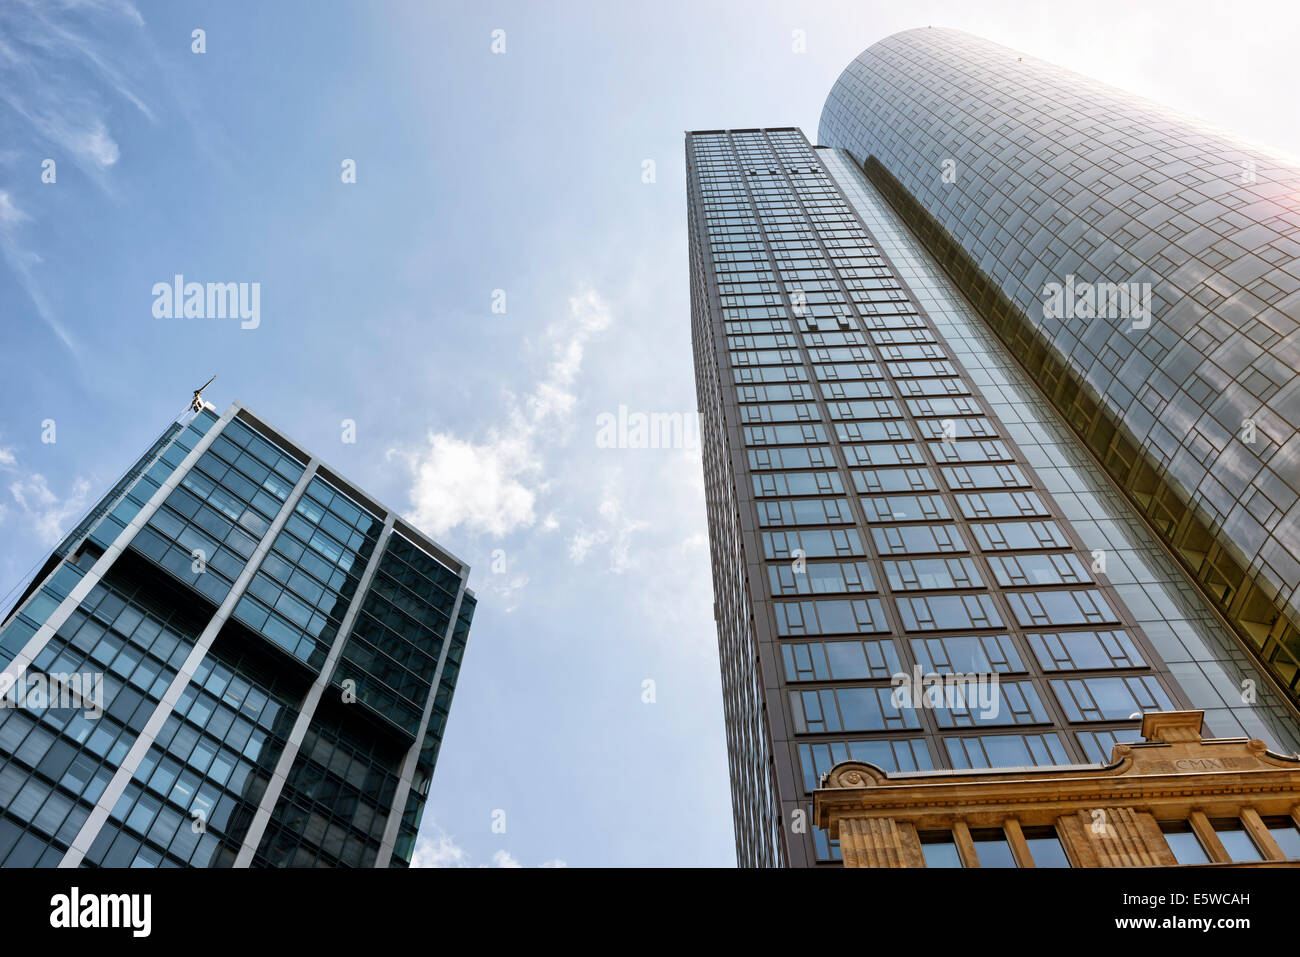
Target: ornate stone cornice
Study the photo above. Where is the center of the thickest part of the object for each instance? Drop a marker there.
(1172, 771)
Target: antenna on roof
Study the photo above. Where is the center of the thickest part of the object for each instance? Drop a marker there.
(197, 402)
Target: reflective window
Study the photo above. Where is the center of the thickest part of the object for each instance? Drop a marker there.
(992, 849)
(1182, 840)
(1236, 841)
(940, 849)
(1110, 699)
(1005, 750)
(840, 660)
(1045, 847)
(1284, 832)
(967, 654)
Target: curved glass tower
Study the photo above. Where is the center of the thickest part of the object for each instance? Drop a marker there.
(1144, 269)
(995, 387)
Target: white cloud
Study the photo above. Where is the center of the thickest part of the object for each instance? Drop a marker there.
(71, 126)
(442, 851)
(492, 486)
(506, 591)
(478, 485)
(579, 545)
(616, 531)
(9, 213)
(7, 458)
(50, 517)
(696, 541)
(96, 145)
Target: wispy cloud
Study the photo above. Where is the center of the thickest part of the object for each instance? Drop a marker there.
(491, 486)
(58, 83)
(55, 78)
(23, 261)
(614, 529)
(9, 213)
(506, 590)
(48, 515)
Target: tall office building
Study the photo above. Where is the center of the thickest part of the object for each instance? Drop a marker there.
(236, 659)
(911, 471)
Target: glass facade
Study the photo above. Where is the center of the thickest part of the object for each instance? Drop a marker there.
(882, 506)
(1204, 656)
(264, 664)
(1023, 179)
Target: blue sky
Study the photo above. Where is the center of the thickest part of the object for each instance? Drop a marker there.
(475, 172)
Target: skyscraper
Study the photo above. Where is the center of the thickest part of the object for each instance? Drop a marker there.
(903, 479)
(236, 659)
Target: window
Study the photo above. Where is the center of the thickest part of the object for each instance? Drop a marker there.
(943, 612)
(805, 511)
(783, 434)
(893, 480)
(886, 431)
(865, 409)
(1005, 750)
(821, 578)
(1232, 834)
(939, 849)
(992, 849)
(932, 573)
(1284, 832)
(966, 654)
(849, 709)
(1084, 650)
(1008, 536)
(1001, 504)
(1048, 608)
(985, 476)
(976, 701)
(1110, 699)
(1182, 840)
(899, 754)
(905, 508)
(1014, 571)
(785, 412)
(814, 543)
(918, 539)
(830, 616)
(873, 455)
(1045, 847)
(1099, 745)
(797, 483)
(969, 450)
(840, 660)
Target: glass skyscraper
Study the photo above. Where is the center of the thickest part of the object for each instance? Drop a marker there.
(236, 659)
(902, 475)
